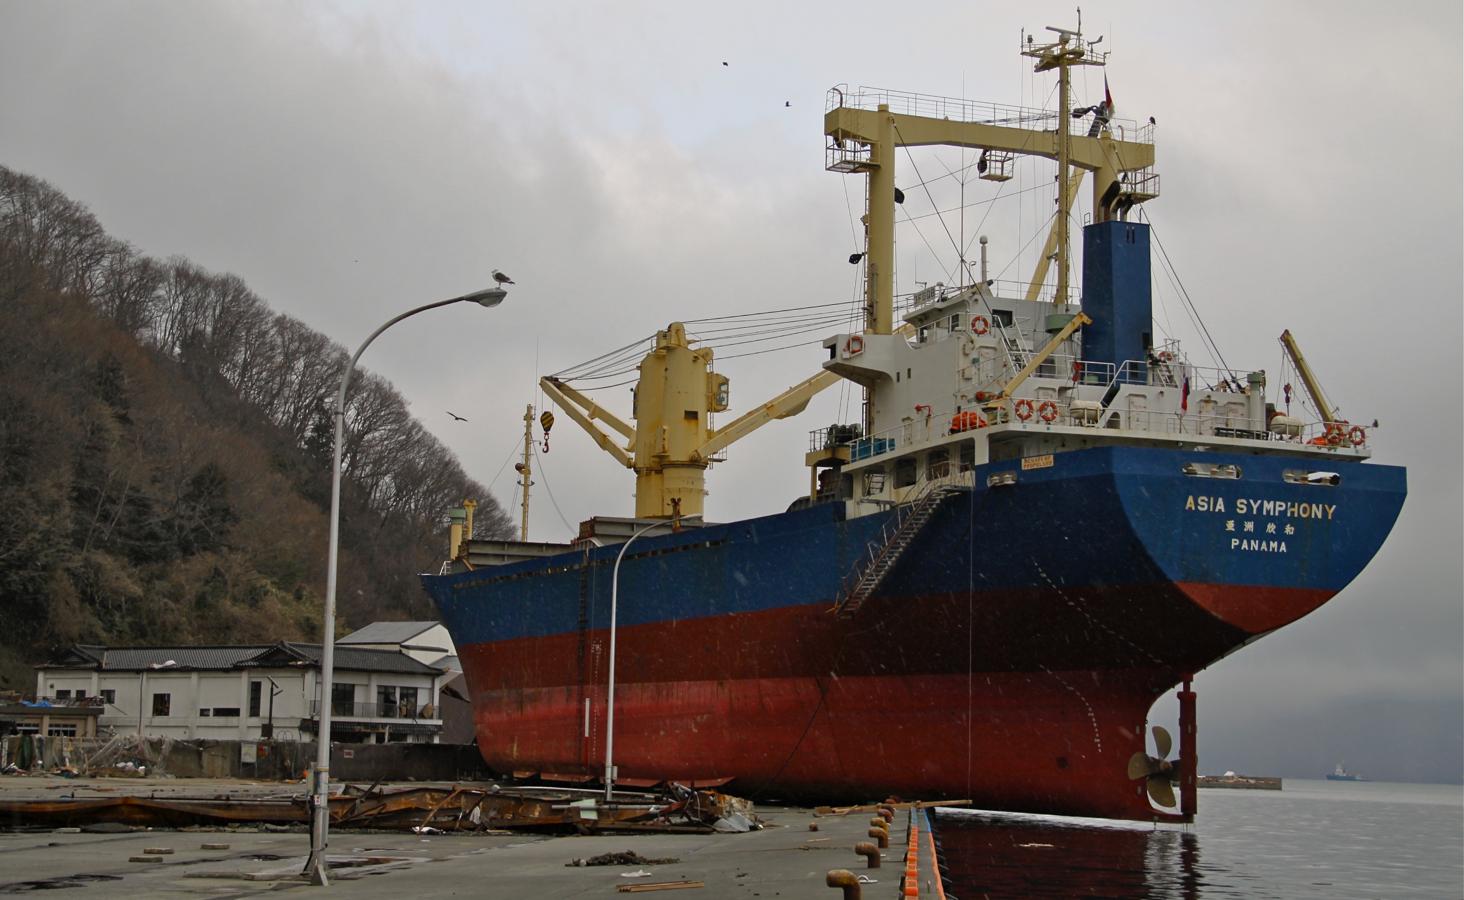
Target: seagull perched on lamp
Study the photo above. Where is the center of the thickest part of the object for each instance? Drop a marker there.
(501, 278)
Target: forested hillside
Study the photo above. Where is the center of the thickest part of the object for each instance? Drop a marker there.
(165, 444)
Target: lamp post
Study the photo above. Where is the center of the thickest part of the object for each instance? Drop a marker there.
(316, 866)
(610, 686)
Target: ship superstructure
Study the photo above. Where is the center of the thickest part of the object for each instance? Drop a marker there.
(1043, 520)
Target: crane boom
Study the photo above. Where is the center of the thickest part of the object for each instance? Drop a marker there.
(1313, 387)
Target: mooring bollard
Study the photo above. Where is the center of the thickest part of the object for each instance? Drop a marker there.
(888, 812)
(869, 852)
(880, 836)
(879, 822)
(843, 878)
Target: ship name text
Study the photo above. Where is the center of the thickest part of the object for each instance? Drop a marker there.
(1250, 506)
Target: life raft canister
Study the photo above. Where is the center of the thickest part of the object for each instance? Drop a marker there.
(966, 421)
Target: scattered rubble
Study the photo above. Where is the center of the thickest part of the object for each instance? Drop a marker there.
(425, 810)
(624, 858)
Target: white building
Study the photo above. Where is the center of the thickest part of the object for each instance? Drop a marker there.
(250, 692)
(430, 643)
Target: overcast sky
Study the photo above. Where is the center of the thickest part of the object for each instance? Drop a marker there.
(352, 160)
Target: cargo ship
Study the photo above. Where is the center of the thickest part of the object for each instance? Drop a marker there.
(1341, 774)
(1042, 522)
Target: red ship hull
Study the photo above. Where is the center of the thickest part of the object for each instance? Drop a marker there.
(1013, 733)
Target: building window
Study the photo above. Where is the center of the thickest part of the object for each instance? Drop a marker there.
(205, 712)
(256, 692)
(161, 704)
(226, 712)
(408, 702)
(61, 731)
(63, 695)
(109, 696)
(905, 472)
(386, 702)
(342, 699)
(81, 695)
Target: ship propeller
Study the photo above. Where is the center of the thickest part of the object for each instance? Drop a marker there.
(1157, 771)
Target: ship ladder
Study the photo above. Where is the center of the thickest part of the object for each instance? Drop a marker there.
(885, 553)
(1016, 356)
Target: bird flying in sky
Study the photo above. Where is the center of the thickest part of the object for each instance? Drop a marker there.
(455, 416)
(501, 278)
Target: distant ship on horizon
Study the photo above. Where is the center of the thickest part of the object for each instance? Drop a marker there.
(1341, 774)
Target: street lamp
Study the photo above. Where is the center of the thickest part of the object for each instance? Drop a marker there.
(610, 693)
(315, 865)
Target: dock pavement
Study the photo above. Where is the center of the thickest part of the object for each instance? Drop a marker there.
(791, 856)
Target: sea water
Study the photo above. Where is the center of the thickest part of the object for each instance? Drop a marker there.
(1313, 839)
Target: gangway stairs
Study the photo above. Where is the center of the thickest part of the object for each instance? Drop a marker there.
(895, 538)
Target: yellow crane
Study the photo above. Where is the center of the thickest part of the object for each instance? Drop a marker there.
(672, 441)
(1313, 387)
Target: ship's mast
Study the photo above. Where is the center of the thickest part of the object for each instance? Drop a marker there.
(1067, 51)
(865, 129)
(525, 471)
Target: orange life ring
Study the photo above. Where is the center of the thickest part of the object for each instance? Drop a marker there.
(1335, 432)
(854, 345)
(1048, 411)
(980, 325)
(1357, 436)
(1023, 409)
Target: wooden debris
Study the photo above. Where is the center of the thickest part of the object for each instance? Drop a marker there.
(659, 886)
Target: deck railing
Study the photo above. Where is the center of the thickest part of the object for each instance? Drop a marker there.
(345, 710)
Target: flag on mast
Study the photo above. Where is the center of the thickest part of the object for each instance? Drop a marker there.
(1107, 95)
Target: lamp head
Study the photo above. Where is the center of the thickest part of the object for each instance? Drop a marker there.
(489, 297)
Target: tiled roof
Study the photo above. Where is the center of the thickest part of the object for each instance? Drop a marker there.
(387, 633)
(173, 659)
(362, 659)
(137, 659)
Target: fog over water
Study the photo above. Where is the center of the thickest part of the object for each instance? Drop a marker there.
(351, 160)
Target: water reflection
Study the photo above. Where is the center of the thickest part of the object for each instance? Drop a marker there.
(1318, 840)
(1010, 856)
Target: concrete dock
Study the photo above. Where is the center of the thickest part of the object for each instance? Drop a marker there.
(784, 859)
